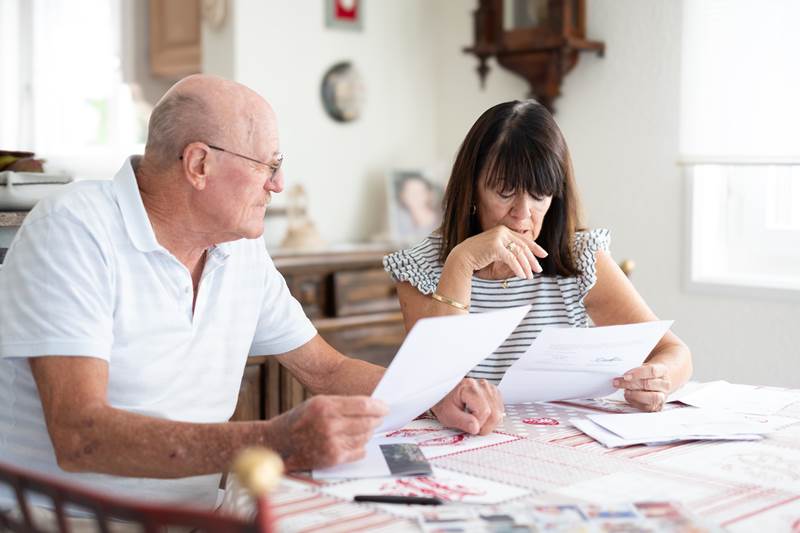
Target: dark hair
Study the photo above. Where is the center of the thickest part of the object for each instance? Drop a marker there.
(518, 147)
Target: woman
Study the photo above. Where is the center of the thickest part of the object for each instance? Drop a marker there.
(509, 237)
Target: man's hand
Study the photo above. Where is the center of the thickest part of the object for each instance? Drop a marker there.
(326, 431)
(474, 406)
(646, 387)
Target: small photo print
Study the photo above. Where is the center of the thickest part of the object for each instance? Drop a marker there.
(406, 460)
(415, 205)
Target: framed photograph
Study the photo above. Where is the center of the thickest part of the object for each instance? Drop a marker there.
(414, 205)
(344, 14)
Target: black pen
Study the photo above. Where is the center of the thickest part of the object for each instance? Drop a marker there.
(387, 498)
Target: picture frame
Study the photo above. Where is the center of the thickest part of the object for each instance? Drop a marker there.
(344, 14)
(414, 205)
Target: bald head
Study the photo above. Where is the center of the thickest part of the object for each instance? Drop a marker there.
(207, 109)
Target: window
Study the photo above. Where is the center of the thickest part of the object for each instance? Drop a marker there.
(68, 101)
(740, 143)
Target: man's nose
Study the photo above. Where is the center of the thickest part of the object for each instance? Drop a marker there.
(275, 184)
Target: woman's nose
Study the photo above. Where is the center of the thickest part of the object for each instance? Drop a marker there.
(523, 206)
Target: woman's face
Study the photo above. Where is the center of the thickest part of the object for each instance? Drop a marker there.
(519, 211)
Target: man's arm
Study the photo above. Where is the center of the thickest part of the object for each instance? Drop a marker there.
(474, 406)
(88, 435)
(323, 370)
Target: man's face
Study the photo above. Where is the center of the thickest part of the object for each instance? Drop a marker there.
(240, 190)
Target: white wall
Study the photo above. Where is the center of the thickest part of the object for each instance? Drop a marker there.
(282, 49)
(620, 117)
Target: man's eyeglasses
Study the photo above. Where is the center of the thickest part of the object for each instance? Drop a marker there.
(273, 165)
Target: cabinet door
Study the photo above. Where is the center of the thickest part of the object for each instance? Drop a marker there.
(250, 394)
(175, 38)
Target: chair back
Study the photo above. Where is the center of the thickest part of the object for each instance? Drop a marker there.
(105, 510)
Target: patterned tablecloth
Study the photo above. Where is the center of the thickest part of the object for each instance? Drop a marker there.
(537, 460)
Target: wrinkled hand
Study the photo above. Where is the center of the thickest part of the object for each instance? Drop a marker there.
(326, 430)
(646, 387)
(474, 406)
(492, 248)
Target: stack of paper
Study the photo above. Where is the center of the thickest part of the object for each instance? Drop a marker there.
(735, 397)
(689, 423)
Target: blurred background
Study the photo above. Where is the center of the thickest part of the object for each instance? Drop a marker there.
(683, 131)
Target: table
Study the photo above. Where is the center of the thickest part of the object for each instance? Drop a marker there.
(739, 486)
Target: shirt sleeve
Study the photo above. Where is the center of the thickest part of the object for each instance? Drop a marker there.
(282, 324)
(57, 288)
(587, 244)
(415, 265)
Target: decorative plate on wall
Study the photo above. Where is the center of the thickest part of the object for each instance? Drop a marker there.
(342, 92)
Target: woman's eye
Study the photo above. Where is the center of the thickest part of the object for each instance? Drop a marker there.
(506, 195)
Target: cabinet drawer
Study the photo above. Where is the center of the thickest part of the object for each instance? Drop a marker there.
(376, 344)
(310, 291)
(364, 291)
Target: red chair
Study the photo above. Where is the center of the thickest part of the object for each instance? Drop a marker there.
(258, 470)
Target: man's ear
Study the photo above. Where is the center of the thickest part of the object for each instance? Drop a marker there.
(196, 164)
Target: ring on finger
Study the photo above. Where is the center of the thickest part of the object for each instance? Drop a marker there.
(511, 247)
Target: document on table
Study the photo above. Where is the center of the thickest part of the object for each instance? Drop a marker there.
(735, 397)
(609, 439)
(688, 423)
(381, 461)
(575, 363)
(434, 357)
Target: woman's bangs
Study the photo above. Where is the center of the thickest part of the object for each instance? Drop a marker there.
(514, 167)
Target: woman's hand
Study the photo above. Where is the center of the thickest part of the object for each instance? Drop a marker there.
(646, 387)
(475, 406)
(502, 247)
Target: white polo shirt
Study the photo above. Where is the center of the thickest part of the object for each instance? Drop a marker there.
(85, 276)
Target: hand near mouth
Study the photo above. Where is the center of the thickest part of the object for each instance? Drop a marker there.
(501, 247)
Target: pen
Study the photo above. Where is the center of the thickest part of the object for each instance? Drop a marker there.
(386, 498)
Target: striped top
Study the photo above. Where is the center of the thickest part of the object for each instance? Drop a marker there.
(556, 301)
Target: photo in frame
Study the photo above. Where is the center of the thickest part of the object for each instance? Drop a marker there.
(344, 14)
(414, 204)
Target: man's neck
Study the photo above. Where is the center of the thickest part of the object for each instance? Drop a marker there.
(169, 215)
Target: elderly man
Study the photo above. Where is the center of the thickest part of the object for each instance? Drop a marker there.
(129, 308)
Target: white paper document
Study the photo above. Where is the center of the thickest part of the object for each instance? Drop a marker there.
(436, 354)
(688, 422)
(434, 357)
(573, 363)
(437, 441)
(612, 440)
(373, 465)
(447, 485)
(735, 397)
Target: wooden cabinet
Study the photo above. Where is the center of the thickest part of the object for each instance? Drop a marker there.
(175, 38)
(352, 303)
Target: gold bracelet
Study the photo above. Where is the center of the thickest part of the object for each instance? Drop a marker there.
(449, 301)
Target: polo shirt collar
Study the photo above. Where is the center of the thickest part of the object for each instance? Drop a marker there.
(134, 216)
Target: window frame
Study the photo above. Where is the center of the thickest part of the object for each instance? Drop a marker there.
(696, 276)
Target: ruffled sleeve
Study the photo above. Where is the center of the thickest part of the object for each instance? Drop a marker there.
(416, 265)
(587, 243)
